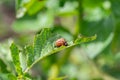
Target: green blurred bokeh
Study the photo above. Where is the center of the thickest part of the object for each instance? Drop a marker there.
(97, 60)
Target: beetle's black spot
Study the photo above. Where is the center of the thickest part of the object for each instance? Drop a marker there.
(66, 44)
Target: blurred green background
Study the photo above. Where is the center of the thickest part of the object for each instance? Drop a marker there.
(20, 20)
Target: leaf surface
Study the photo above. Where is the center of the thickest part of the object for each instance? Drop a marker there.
(15, 57)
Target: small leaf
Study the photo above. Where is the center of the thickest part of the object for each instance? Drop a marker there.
(15, 56)
(23, 59)
(85, 39)
(30, 53)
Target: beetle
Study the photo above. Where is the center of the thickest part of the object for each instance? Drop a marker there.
(61, 42)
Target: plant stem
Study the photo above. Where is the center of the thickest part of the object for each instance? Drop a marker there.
(80, 19)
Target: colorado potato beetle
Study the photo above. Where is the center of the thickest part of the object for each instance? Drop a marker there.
(61, 42)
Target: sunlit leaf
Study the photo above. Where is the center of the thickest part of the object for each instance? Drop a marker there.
(15, 56)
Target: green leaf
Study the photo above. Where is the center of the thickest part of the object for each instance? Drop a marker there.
(28, 6)
(40, 41)
(36, 7)
(15, 56)
(44, 46)
(30, 53)
(85, 39)
(23, 59)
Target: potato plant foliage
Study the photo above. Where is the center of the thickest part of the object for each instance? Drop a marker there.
(42, 47)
